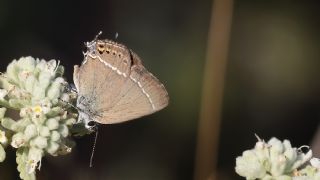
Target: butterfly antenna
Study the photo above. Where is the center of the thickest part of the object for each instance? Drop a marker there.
(96, 38)
(94, 147)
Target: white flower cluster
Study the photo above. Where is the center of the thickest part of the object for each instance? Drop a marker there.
(35, 116)
(276, 160)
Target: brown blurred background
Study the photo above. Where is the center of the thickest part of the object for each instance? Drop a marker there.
(271, 82)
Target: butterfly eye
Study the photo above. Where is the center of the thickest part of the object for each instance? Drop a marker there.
(91, 124)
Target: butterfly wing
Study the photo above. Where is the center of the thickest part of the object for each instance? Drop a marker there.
(142, 94)
(114, 85)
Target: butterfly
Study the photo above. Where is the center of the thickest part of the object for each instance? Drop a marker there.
(113, 86)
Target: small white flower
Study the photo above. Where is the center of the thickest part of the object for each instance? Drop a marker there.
(44, 131)
(3, 93)
(52, 124)
(18, 140)
(35, 87)
(3, 138)
(37, 109)
(38, 116)
(52, 148)
(55, 136)
(30, 131)
(23, 75)
(2, 112)
(50, 66)
(40, 142)
(34, 157)
(272, 160)
(46, 106)
(63, 130)
(26, 63)
(25, 111)
(249, 166)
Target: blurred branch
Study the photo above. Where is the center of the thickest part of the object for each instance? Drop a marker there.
(315, 144)
(213, 85)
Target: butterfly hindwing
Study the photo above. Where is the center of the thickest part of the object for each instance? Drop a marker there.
(116, 84)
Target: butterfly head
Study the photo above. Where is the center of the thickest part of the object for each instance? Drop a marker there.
(91, 47)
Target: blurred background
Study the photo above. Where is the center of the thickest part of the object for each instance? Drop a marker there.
(271, 81)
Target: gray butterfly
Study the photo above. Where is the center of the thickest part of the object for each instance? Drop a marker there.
(113, 86)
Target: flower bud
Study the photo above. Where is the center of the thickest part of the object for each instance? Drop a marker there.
(52, 148)
(52, 124)
(63, 130)
(55, 136)
(30, 131)
(18, 140)
(44, 131)
(40, 142)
